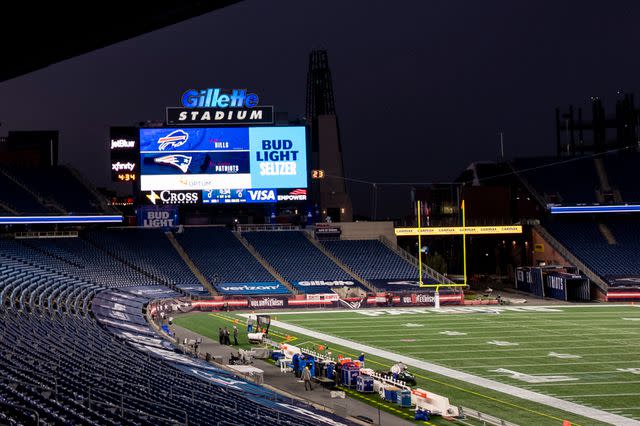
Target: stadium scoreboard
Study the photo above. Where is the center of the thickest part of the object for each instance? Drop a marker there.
(223, 165)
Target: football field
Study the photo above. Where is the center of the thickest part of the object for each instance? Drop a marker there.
(589, 355)
(505, 361)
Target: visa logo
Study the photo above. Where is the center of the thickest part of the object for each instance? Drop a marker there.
(262, 194)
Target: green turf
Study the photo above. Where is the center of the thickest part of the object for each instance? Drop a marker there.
(599, 335)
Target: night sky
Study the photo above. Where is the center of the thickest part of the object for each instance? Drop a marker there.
(422, 87)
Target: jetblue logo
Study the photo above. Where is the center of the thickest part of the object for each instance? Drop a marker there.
(180, 161)
(175, 139)
(214, 98)
(262, 194)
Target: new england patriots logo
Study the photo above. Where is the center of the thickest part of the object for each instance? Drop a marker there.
(176, 160)
(175, 139)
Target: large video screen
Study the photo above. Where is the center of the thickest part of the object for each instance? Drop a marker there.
(241, 164)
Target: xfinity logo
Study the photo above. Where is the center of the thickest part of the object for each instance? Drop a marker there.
(262, 194)
(117, 167)
(122, 143)
(173, 197)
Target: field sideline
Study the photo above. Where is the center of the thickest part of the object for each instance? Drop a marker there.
(594, 346)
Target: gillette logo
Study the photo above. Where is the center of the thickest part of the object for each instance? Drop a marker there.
(214, 98)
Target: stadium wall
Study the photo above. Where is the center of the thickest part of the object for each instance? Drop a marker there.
(366, 230)
(548, 254)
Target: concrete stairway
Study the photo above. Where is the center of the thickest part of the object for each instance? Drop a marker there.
(264, 263)
(185, 257)
(571, 258)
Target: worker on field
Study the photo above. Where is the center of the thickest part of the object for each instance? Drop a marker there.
(306, 377)
(361, 359)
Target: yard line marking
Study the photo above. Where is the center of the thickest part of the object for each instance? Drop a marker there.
(516, 375)
(600, 395)
(583, 383)
(629, 370)
(547, 365)
(563, 356)
(571, 407)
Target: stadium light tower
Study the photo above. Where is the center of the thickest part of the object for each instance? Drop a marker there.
(326, 146)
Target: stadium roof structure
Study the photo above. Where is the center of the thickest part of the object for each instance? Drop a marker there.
(36, 35)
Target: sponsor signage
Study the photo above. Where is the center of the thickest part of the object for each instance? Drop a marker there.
(269, 287)
(267, 302)
(332, 230)
(157, 217)
(171, 197)
(322, 283)
(458, 230)
(299, 194)
(203, 159)
(218, 106)
(123, 146)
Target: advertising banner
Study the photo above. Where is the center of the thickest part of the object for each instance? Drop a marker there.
(157, 216)
(268, 287)
(223, 158)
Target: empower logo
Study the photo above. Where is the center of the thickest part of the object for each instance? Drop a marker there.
(175, 139)
(294, 195)
(182, 162)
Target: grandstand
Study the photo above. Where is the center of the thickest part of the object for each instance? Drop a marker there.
(604, 245)
(52, 190)
(376, 263)
(301, 263)
(221, 257)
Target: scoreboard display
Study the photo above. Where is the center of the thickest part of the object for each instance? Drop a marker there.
(123, 146)
(225, 165)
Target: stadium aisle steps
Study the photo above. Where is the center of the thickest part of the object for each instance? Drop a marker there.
(192, 266)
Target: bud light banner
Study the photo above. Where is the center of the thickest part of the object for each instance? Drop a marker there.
(269, 287)
(158, 216)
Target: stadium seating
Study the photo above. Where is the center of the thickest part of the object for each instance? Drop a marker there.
(586, 242)
(376, 263)
(221, 257)
(150, 252)
(621, 169)
(552, 182)
(17, 198)
(298, 260)
(59, 184)
(75, 353)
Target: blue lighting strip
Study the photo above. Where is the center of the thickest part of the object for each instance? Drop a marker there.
(631, 208)
(30, 220)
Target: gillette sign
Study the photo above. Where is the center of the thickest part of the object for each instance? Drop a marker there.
(219, 106)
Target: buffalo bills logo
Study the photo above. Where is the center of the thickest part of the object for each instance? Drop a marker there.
(176, 160)
(175, 139)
